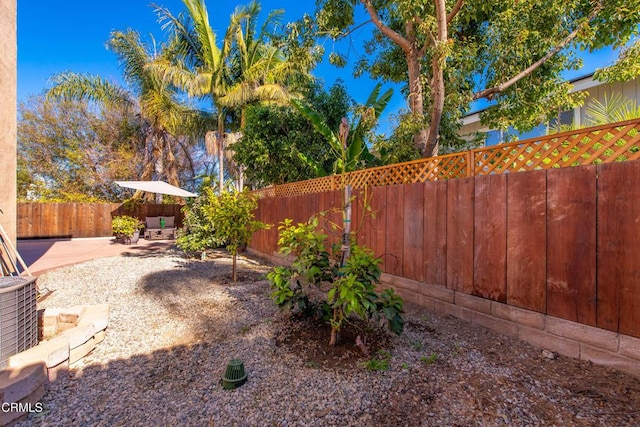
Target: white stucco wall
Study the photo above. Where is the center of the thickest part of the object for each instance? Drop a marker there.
(8, 115)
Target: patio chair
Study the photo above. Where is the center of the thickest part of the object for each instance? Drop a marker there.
(160, 228)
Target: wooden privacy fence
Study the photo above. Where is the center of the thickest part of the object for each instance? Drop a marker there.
(590, 146)
(51, 220)
(563, 242)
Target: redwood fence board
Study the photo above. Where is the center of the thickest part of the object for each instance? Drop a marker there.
(526, 240)
(281, 214)
(571, 244)
(378, 223)
(38, 219)
(619, 248)
(367, 217)
(413, 255)
(395, 230)
(361, 223)
(460, 234)
(434, 246)
(335, 224)
(490, 240)
(356, 224)
(68, 220)
(276, 217)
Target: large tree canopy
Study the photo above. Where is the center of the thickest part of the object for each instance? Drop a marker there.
(452, 52)
(69, 152)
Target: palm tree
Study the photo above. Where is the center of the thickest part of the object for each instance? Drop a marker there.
(247, 68)
(155, 101)
(614, 108)
(260, 70)
(198, 65)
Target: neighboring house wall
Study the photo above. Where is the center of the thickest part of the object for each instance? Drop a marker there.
(8, 116)
(596, 90)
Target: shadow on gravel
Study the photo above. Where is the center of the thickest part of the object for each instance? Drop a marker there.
(203, 295)
(180, 386)
(150, 249)
(442, 371)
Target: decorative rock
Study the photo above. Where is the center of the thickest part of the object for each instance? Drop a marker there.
(52, 352)
(548, 354)
(23, 385)
(97, 316)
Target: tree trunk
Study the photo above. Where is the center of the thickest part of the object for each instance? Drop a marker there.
(416, 98)
(220, 141)
(240, 178)
(346, 221)
(437, 82)
(172, 167)
(413, 55)
(334, 330)
(233, 269)
(334, 337)
(158, 162)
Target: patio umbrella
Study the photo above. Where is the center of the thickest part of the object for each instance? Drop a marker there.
(158, 187)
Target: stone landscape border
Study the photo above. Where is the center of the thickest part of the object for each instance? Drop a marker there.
(67, 335)
(571, 339)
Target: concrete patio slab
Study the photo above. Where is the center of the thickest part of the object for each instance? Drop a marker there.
(44, 255)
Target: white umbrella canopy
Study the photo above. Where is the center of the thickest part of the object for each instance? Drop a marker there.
(158, 187)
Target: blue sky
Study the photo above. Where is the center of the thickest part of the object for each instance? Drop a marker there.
(71, 35)
(75, 33)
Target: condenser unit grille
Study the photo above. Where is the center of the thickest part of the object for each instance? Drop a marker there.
(18, 316)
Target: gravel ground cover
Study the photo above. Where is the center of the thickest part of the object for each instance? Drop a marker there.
(175, 324)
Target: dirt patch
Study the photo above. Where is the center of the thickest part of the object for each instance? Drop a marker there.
(309, 339)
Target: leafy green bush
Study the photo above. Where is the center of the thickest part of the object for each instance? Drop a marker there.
(317, 283)
(197, 234)
(125, 226)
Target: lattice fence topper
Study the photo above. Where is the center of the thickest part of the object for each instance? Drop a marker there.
(609, 143)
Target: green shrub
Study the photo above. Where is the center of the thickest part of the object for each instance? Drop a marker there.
(317, 283)
(233, 221)
(429, 360)
(197, 234)
(125, 226)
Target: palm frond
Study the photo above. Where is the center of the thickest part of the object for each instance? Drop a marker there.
(86, 87)
(209, 50)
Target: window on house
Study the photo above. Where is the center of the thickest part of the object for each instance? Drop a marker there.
(565, 118)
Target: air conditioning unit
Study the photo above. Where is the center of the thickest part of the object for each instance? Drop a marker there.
(18, 316)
